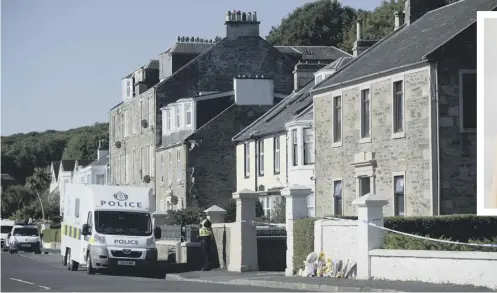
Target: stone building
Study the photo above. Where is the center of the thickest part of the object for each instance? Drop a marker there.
(192, 67)
(400, 119)
(276, 150)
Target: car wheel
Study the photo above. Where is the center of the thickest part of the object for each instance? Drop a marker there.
(90, 270)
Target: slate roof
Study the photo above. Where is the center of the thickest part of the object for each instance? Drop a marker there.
(56, 166)
(104, 161)
(291, 107)
(68, 165)
(306, 115)
(412, 43)
(339, 63)
(275, 119)
(314, 52)
(189, 48)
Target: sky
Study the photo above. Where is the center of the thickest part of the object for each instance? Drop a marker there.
(63, 61)
(490, 87)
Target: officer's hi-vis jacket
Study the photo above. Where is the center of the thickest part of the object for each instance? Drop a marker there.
(205, 228)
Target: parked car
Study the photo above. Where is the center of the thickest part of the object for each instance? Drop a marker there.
(24, 238)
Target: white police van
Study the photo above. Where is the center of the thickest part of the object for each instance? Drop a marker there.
(109, 228)
(7, 226)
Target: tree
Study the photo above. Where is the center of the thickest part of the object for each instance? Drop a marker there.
(278, 214)
(16, 198)
(319, 23)
(377, 24)
(39, 183)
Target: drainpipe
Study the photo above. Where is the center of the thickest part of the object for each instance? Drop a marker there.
(437, 119)
(256, 156)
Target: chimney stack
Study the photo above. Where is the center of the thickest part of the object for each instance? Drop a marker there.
(240, 24)
(414, 9)
(102, 152)
(359, 32)
(303, 73)
(361, 45)
(399, 19)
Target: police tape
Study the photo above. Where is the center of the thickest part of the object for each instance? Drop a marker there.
(418, 236)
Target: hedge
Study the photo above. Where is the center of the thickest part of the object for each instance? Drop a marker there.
(462, 228)
(303, 240)
(51, 235)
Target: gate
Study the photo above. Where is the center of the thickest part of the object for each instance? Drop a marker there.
(271, 248)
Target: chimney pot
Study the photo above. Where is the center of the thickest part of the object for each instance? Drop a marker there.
(228, 16)
(249, 16)
(359, 29)
(244, 16)
(178, 38)
(254, 16)
(187, 39)
(182, 39)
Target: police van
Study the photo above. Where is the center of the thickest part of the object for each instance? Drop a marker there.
(109, 228)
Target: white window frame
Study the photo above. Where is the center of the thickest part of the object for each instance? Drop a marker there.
(461, 100)
(127, 169)
(126, 123)
(311, 205)
(142, 163)
(162, 168)
(399, 134)
(178, 165)
(162, 206)
(168, 119)
(359, 189)
(150, 113)
(177, 117)
(141, 116)
(260, 159)
(151, 155)
(394, 201)
(133, 118)
(127, 88)
(133, 169)
(100, 179)
(277, 155)
(294, 142)
(304, 144)
(188, 112)
(246, 158)
(365, 138)
(333, 195)
(169, 168)
(336, 142)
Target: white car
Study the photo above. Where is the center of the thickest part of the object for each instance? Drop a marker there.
(24, 238)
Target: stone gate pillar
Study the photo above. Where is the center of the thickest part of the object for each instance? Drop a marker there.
(370, 210)
(243, 246)
(296, 208)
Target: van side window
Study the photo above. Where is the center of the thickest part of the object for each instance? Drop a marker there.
(76, 209)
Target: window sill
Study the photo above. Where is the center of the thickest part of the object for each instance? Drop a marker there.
(398, 135)
(337, 144)
(365, 140)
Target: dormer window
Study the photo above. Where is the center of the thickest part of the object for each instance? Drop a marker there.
(177, 109)
(188, 114)
(127, 88)
(139, 76)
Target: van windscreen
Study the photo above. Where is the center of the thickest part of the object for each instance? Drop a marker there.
(123, 223)
(6, 229)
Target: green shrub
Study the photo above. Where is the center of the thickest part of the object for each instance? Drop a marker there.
(188, 216)
(51, 235)
(398, 241)
(303, 240)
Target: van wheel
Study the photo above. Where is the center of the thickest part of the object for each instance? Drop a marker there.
(90, 270)
(71, 264)
(64, 259)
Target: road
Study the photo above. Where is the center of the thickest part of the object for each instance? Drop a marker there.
(26, 272)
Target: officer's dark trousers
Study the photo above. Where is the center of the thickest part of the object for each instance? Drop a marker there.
(205, 242)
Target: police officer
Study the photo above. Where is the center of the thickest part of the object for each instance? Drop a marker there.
(205, 232)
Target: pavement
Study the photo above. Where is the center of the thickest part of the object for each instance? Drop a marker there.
(30, 272)
(27, 272)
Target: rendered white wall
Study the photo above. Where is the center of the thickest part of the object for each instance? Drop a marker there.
(253, 91)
